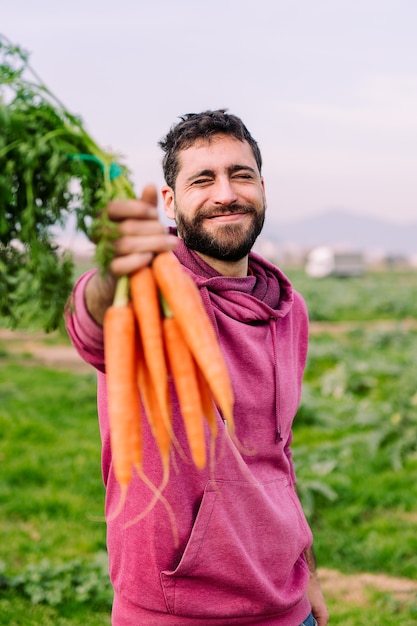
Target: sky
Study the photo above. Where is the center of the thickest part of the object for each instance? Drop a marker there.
(328, 88)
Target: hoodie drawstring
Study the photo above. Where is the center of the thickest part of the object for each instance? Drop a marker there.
(273, 326)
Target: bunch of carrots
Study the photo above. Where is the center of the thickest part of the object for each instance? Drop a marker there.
(156, 329)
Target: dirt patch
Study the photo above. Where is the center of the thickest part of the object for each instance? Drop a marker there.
(356, 589)
(35, 348)
(336, 328)
(39, 348)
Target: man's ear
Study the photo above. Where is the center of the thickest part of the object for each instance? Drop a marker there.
(263, 192)
(168, 199)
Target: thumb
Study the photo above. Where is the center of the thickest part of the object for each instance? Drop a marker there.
(150, 195)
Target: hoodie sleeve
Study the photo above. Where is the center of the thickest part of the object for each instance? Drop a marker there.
(85, 334)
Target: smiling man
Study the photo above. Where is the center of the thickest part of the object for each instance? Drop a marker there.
(218, 199)
(244, 550)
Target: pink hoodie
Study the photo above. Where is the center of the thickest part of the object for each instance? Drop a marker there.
(227, 545)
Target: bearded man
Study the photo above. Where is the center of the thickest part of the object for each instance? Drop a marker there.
(244, 551)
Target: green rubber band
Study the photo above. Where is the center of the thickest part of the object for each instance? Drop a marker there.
(114, 171)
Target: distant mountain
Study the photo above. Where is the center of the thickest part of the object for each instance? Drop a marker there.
(341, 228)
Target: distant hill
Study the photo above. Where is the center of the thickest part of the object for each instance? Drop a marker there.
(341, 228)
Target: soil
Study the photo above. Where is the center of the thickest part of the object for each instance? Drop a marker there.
(356, 589)
(334, 328)
(38, 348)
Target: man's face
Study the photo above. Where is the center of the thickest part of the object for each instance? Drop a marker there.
(219, 199)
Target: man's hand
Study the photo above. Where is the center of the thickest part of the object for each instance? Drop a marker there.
(317, 601)
(141, 236)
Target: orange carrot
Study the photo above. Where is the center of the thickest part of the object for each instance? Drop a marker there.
(164, 443)
(183, 371)
(209, 412)
(158, 425)
(145, 300)
(184, 300)
(136, 434)
(207, 403)
(122, 392)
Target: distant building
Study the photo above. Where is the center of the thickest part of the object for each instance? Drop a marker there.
(326, 261)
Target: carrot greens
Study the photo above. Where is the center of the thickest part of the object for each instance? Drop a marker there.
(51, 169)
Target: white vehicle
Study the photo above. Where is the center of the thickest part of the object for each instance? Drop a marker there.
(324, 261)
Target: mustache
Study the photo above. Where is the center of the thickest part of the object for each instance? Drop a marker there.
(225, 210)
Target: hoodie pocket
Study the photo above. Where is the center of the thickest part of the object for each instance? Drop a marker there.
(244, 555)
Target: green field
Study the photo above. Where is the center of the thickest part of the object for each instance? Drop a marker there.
(355, 451)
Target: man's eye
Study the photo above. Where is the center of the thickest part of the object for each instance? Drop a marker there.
(243, 176)
(201, 181)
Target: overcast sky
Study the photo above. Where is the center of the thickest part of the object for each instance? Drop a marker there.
(327, 87)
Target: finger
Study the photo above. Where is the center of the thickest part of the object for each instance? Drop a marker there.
(152, 243)
(150, 195)
(132, 260)
(145, 227)
(125, 265)
(118, 210)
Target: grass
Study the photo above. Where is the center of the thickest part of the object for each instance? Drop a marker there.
(355, 451)
(375, 295)
(51, 493)
(358, 423)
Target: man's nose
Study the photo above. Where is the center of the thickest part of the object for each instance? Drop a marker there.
(224, 192)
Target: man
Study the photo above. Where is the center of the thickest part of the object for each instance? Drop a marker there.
(243, 554)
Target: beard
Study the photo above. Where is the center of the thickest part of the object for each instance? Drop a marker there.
(229, 242)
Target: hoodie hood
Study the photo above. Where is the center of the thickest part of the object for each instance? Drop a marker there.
(265, 294)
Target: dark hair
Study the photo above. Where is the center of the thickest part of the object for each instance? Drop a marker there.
(205, 125)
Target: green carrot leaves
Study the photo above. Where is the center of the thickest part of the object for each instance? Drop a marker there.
(50, 169)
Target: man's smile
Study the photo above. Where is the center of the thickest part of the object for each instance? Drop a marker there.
(227, 217)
